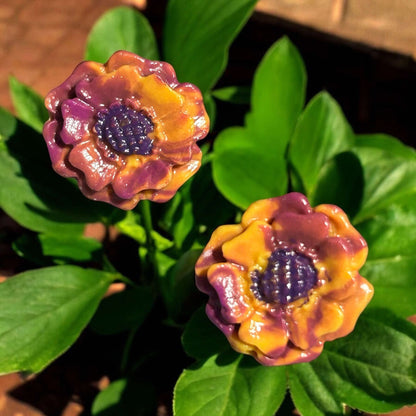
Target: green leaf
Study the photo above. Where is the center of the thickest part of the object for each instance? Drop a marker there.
(277, 98)
(340, 182)
(177, 217)
(373, 369)
(235, 95)
(391, 262)
(43, 312)
(203, 194)
(229, 385)
(77, 248)
(8, 125)
(123, 311)
(249, 163)
(130, 226)
(28, 247)
(211, 108)
(127, 398)
(121, 28)
(243, 172)
(179, 285)
(389, 172)
(37, 198)
(321, 133)
(197, 36)
(311, 393)
(28, 104)
(201, 338)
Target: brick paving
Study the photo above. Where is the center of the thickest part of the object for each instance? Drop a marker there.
(385, 24)
(41, 41)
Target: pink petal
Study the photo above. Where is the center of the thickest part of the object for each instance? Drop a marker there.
(77, 120)
(98, 172)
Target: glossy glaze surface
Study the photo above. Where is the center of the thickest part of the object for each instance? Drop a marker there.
(163, 119)
(321, 243)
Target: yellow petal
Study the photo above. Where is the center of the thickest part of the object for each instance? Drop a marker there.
(153, 93)
(262, 210)
(265, 331)
(252, 247)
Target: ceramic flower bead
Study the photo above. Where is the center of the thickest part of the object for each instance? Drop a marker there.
(126, 130)
(285, 280)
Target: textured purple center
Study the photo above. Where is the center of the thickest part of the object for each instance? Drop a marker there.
(125, 130)
(288, 276)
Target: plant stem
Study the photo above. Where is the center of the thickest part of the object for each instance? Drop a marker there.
(126, 350)
(150, 243)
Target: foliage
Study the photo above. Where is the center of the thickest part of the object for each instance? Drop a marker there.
(284, 145)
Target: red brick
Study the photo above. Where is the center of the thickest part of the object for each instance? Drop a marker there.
(7, 11)
(44, 36)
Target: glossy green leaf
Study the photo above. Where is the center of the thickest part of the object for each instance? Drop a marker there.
(311, 393)
(34, 195)
(77, 248)
(321, 133)
(43, 312)
(235, 95)
(123, 310)
(229, 385)
(28, 104)
(28, 247)
(373, 369)
(183, 221)
(8, 124)
(198, 34)
(277, 97)
(389, 172)
(121, 28)
(211, 108)
(340, 182)
(243, 171)
(125, 397)
(391, 262)
(201, 338)
(249, 163)
(179, 289)
(205, 198)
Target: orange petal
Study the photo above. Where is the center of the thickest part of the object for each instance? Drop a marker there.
(361, 293)
(250, 248)
(339, 260)
(212, 252)
(266, 331)
(293, 355)
(121, 58)
(140, 175)
(340, 226)
(180, 174)
(262, 210)
(154, 94)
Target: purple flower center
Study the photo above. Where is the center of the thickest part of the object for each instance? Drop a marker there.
(125, 130)
(288, 276)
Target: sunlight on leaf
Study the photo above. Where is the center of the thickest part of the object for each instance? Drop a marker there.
(229, 384)
(121, 28)
(43, 312)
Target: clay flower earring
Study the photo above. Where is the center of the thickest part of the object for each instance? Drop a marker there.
(126, 130)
